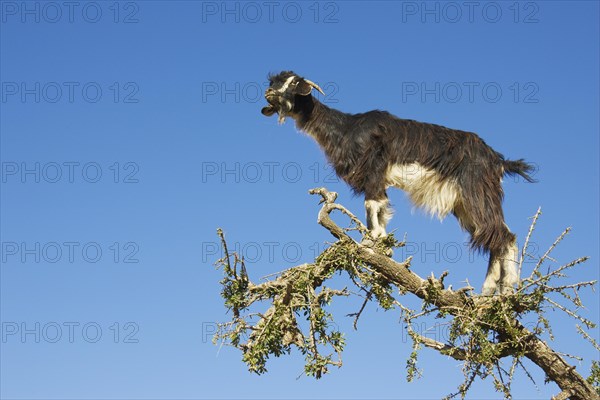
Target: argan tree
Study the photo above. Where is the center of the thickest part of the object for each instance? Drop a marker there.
(483, 330)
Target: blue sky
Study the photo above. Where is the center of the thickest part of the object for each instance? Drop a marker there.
(131, 131)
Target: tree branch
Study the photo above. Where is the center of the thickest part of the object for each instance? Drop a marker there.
(483, 330)
(555, 367)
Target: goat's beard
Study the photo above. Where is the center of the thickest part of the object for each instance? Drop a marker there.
(282, 107)
(280, 117)
(283, 111)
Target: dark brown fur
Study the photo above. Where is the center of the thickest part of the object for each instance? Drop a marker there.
(361, 148)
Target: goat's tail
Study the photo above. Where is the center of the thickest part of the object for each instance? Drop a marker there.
(519, 167)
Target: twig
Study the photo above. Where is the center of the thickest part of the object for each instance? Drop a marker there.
(571, 313)
(553, 273)
(552, 247)
(225, 251)
(588, 337)
(526, 245)
(357, 315)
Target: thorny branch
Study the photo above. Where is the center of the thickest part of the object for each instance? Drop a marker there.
(483, 330)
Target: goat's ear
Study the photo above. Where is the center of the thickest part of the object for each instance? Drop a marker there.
(268, 110)
(302, 88)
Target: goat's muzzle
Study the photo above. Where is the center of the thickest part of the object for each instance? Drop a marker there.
(271, 96)
(271, 108)
(277, 103)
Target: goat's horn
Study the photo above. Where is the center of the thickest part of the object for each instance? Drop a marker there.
(311, 83)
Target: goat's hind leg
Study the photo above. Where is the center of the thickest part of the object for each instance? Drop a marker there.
(509, 275)
(502, 272)
(494, 272)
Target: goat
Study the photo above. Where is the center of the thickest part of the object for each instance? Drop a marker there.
(442, 170)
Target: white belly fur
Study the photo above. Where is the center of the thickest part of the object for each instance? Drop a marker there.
(425, 188)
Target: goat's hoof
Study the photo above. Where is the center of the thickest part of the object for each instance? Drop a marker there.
(367, 242)
(506, 290)
(488, 291)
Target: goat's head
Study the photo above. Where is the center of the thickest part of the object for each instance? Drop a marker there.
(282, 91)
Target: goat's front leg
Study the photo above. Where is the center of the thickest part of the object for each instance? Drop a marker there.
(378, 214)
